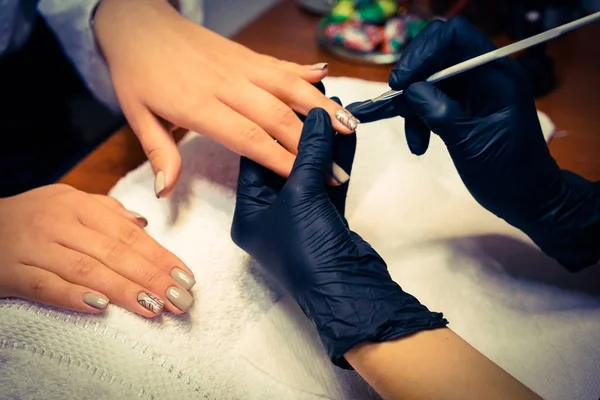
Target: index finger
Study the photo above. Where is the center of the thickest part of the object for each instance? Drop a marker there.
(302, 97)
(112, 224)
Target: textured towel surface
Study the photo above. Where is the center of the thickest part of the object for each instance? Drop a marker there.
(244, 339)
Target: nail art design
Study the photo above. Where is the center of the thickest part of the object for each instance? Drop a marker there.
(159, 183)
(150, 302)
(183, 278)
(319, 67)
(347, 119)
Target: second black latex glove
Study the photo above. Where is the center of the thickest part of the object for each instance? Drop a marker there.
(488, 121)
(297, 231)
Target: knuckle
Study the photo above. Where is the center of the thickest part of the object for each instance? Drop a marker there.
(153, 278)
(115, 250)
(251, 133)
(83, 267)
(130, 235)
(288, 78)
(161, 255)
(439, 113)
(284, 116)
(154, 154)
(63, 187)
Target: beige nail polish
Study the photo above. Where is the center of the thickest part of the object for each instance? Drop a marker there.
(96, 300)
(339, 174)
(150, 302)
(183, 278)
(319, 67)
(159, 183)
(138, 217)
(180, 298)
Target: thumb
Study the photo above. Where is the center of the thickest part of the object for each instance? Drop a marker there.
(160, 148)
(442, 115)
(313, 163)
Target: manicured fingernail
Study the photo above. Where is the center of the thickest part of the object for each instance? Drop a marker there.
(180, 298)
(319, 67)
(139, 217)
(183, 278)
(96, 300)
(339, 174)
(159, 183)
(347, 119)
(150, 302)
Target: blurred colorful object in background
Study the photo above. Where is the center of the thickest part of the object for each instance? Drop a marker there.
(370, 26)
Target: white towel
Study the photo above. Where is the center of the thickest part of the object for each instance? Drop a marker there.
(244, 339)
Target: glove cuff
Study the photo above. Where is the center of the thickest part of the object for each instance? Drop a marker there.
(376, 309)
(569, 231)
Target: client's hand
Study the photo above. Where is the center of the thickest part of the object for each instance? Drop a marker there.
(164, 67)
(70, 249)
(297, 231)
(488, 120)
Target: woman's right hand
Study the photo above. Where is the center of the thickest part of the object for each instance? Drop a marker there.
(168, 71)
(69, 249)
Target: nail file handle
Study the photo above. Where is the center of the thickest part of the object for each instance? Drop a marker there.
(501, 52)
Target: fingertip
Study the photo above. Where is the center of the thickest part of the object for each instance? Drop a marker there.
(346, 122)
(417, 135)
(167, 175)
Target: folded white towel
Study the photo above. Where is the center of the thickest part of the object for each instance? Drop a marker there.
(244, 339)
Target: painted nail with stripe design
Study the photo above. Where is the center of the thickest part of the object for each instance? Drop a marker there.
(150, 302)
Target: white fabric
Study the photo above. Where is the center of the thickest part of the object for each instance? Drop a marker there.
(243, 339)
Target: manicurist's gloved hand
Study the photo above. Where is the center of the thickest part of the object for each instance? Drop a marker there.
(487, 119)
(296, 230)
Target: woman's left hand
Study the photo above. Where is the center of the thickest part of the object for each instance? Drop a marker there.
(166, 68)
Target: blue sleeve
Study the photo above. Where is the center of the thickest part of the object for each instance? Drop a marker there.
(16, 23)
(70, 20)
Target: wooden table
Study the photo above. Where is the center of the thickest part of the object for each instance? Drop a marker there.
(288, 33)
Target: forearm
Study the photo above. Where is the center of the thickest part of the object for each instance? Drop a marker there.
(569, 230)
(433, 364)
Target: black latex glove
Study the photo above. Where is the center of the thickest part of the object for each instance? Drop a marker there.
(488, 121)
(297, 231)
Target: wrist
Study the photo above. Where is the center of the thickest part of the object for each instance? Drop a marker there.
(370, 309)
(569, 228)
(115, 20)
